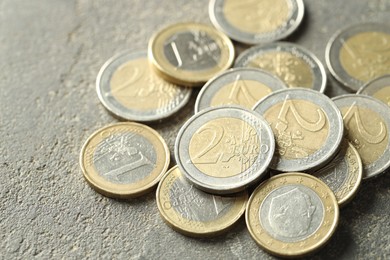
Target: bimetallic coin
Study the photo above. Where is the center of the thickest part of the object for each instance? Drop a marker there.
(124, 160)
(359, 54)
(367, 124)
(239, 86)
(190, 53)
(292, 214)
(129, 89)
(307, 125)
(293, 64)
(378, 88)
(254, 22)
(343, 174)
(224, 149)
(193, 212)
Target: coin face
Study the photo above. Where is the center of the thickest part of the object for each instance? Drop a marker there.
(359, 54)
(193, 212)
(294, 65)
(239, 86)
(367, 124)
(292, 214)
(124, 160)
(129, 89)
(378, 88)
(224, 149)
(254, 22)
(308, 128)
(343, 174)
(190, 53)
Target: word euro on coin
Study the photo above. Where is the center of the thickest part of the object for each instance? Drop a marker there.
(190, 53)
(293, 64)
(254, 22)
(222, 150)
(239, 86)
(359, 54)
(292, 214)
(129, 89)
(193, 212)
(378, 88)
(367, 124)
(307, 125)
(124, 160)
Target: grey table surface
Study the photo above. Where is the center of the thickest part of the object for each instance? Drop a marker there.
(50, 54)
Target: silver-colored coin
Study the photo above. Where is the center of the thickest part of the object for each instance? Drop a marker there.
(359, 54)
(254, 22)
(307, 125)
(129, 89)
(367, 125)
(224, 149)
(378, 88)
(293, 64)
(239, 86)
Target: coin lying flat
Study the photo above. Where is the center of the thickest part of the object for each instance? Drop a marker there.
(293, 64)
(359, 54)
(190, 53)
(292, 214)
(129, 89)
(307, 125)
(367, 124)
(378, 88)
(193, 212)
(343, 174)
(222, 150)
(239, 86)
(254, 22)
(124, 160)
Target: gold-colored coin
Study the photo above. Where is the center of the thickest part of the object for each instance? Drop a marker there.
(378, 88)
(193, 212)
(292, 214)
(343, 174)
(124, 160)
(190, 53)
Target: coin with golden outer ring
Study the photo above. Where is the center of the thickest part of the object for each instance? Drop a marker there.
(190, 53)
(193, 212)
(292, 214)
(124, 160)
(343, 174)
(378, 88)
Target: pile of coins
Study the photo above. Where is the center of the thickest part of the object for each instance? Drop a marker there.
(265, 117)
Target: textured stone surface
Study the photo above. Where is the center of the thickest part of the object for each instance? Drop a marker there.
(51, 51)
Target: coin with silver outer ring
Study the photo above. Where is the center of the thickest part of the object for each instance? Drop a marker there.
(129, 89)
(292, 214)
(193, 212)
(238, 86)
(254, 23)
(224, 149)
(359, 53)
(296, 66)
(378, 88)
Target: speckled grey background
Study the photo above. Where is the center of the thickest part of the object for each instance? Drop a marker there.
(50, 53)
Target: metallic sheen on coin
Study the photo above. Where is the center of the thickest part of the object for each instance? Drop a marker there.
(343, 174)
(254, 22)
(129, 89)
(224, 149)
(124, 160)
(378, 88)
(190, 53)
(239, 86)
(359, 54)
(367, 124)
(193, 212)
(307, 125)
(293, 64)
(292, 214)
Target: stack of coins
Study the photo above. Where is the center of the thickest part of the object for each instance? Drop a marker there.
(266, 116)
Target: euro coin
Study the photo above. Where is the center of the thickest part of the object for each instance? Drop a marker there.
(378, 88)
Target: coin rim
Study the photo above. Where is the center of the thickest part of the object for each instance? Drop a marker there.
(374, 85)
